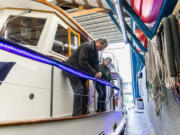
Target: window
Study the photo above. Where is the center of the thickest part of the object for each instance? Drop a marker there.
(74, 42)
(60, 44)
(24, 30)
(74, 39)
(128, 98)
(66, 41)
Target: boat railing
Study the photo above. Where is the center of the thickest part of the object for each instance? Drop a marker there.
(25, 52)
(110, 102)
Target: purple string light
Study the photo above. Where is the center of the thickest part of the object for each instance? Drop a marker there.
(25, 53)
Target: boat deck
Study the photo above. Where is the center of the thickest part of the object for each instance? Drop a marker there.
(36, 121)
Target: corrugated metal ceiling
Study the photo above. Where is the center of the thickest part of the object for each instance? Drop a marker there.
(99, 25)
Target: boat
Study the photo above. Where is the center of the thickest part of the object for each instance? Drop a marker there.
(35, 97)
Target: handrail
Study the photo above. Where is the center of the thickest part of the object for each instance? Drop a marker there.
(17, 49)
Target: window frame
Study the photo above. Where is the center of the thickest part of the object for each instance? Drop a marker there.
(8, 13)
(69, 31)
(69, 39)
(58, 55)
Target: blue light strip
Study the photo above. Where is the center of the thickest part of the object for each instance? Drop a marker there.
(28, 53)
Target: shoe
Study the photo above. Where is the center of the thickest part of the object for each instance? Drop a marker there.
(98, 111)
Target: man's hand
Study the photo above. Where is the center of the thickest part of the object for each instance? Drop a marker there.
(98, 75)
(112, 81)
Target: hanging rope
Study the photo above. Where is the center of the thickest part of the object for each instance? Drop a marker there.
(162, 63)
(154, 73)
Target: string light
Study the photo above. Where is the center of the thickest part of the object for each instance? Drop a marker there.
(26, 52)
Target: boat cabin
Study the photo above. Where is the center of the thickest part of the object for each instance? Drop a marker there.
(34, 89)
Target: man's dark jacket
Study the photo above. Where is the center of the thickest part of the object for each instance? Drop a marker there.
(85, 58)
(106, 74)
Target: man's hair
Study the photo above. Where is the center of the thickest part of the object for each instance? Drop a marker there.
(110, 59)
(102, 41)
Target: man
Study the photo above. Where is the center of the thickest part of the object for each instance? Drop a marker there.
(84, 58)
(101, 89)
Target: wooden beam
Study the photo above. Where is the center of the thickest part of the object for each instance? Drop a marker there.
(86, 3)
(71, 5)
(99, 3)
(80, 8)
(84, 12)
(59, 2)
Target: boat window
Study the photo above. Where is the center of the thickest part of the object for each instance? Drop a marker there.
(24, 30)
(74, 42)
(60, 44)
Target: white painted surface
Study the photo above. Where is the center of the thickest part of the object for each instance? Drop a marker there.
(63, 95)
(28, 76)
(92, 97)
(30, 4)
(85, 126)
(137, 123)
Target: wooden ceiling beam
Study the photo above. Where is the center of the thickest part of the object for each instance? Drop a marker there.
(80, 8)
(74, 4)
(66, 4)
(88, 11)
(86, 4)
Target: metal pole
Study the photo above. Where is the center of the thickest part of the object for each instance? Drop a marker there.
(120, 15)
(52, 89)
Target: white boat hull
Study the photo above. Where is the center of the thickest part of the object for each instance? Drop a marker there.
(92, 125)
(36, 98)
